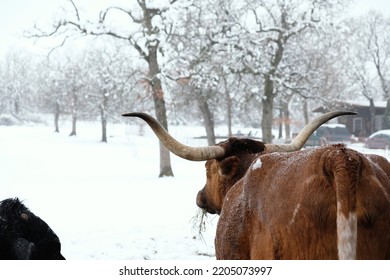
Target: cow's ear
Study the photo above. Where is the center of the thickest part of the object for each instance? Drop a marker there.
(228, 166)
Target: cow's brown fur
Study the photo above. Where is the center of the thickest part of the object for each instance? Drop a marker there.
(286, 206)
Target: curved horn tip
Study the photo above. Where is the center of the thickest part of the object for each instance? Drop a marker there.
(344, 113)
(305, 133)
(133, 114)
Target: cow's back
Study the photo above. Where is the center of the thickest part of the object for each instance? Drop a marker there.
(286, 208)
(374, 210)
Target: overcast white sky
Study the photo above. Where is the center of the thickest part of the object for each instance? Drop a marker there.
(19, 15)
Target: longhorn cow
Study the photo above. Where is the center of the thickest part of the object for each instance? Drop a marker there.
(281, 202)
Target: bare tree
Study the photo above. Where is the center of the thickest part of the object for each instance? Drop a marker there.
(110, 78)
(74, 78)
(202, 60)
(146, 19)
(278, 23)
(17, 91)
(368, 61)
(377, 46)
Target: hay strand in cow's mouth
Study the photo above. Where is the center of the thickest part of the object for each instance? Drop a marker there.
(199, 222)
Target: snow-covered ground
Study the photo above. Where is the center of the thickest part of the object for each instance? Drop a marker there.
(105, 200)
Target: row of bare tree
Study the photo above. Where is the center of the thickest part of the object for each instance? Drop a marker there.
(213, 60)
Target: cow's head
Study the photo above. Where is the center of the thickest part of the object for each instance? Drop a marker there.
(25, 236)
(228, 161)
(222, 174)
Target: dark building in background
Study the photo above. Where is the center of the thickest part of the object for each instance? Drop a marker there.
(367, 121)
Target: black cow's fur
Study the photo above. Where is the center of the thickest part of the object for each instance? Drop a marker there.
(24, 236)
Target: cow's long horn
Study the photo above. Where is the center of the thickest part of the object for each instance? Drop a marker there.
(179, 149)
(305, 133)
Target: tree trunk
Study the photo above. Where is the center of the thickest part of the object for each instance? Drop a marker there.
(371, 129)
(229, 104)
(305, 111)
(16, 106)
(268, 102)
(155, 83)
(161, 114)
(280, 136)
(286, 120)
(386, 119)
(269, 95)
(208, 121)
(104, 130)
(103, 115)
(74, 114)
(57, 117)
(74, 122)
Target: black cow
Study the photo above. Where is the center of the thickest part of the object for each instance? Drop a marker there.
(24, 236)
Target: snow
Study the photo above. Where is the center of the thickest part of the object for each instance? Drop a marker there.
(333, 125)
(257, 164)
(105, 200)
(366, 103)
(384, 132)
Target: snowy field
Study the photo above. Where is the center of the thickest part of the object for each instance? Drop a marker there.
(105, 200)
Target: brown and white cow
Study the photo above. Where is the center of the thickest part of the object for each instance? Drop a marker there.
(280, 202)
